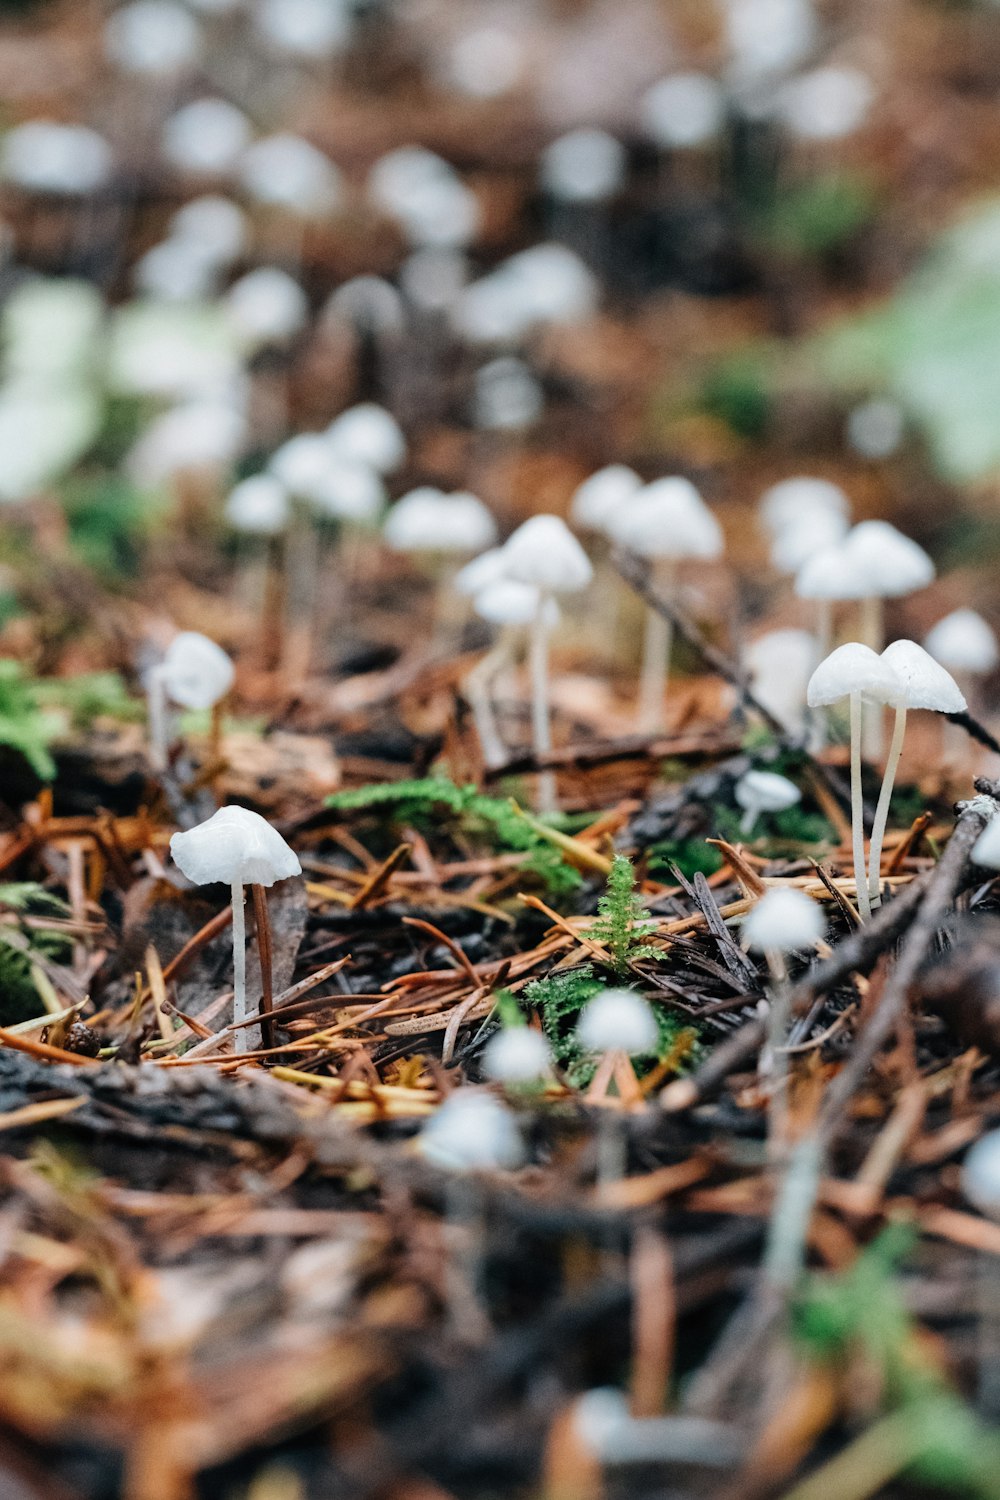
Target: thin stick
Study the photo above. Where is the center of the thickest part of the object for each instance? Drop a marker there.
(265, 950)
(857, 813)
(240, 1039)
(882, 810)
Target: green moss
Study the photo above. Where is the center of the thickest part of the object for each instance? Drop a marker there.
(435, 803)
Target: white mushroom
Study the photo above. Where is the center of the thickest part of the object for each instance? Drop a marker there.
(194, 673)
(44, 157)
(368, 434)
(517, 1055)
(258, 506)
(669, 523)
(617, 1020)
(472, 1132)
(216, 225)
(236, 847)
(763, 792)
(512, 606)
(266, 306)
(206, 137)
(783, 921)
(583, 166)
(981, 1167)
(287, 172)
(781, 663)
(544, 553)
(966, 644)
(853, 671)
(153, 38)
(683, 111)
(922, 683)
(600, 497)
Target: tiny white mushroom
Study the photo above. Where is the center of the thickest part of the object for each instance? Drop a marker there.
(368, 434)
(854, 671)
(617, 1020)
(922, 683)
(194, 673)
(986, 850)
(266, 306)
(544, 553)
(517, 1055)
(669, 523)
(763, 792)
(45, 157)
(153, 38)
(512, 606)
(598, 499)
(235, 847)
(206, 137)
(258, 506)
(966, 644)
(284, 171)
(472, 1132)
(783, 921)
(583, 166)
(683, 111)
(981, 1167)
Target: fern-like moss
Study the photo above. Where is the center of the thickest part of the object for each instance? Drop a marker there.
(622, 923)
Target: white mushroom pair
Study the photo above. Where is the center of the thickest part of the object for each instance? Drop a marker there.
(874, 562)
(904, 677)
(542, 556)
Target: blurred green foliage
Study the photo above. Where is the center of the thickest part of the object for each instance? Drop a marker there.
(109, 522)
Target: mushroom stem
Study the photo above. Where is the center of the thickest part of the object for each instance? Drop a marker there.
(541, 725)
(774, 1061)
(872, 634)
(748, 822)
(857, 813)
(882, 810)
(265, 951)
(656, 660)
(156, 694)
(479, 689)
(240, 1038)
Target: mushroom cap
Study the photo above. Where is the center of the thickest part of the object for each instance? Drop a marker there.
(986, 849)
(888, 563)
(583, 166)
(507, 602)
(781, 663)
(234, 845)
(508, 396)
(828, 574)
(783, 921)
(963, 642)
(766, 791)
(215, 223)
(258, 505)
(668, 519)
(544, 552)
(46, 157)
(196, 437)
(177, 270)
(596, 501)
(206, 137)
(826, 103)
(195, 671)
(792, 547)
(304, 28)
(301, 463)
(472, 1131)
(803, 496)
(288, 172)
(617, 1020)
(683, 110)
(349, 492)
(924, 683)
(517, 1054)
(486, 569)
(427, 520)
(981, 1173)
(152, 37)
(368, 434)
(267, 306)
(852, 668)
